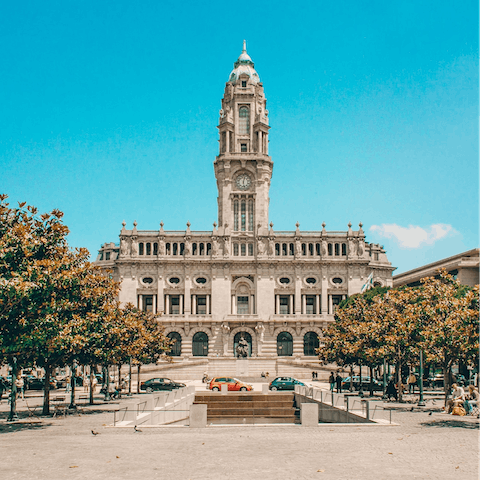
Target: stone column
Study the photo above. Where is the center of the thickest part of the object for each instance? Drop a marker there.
(290, 298)
(330, 304)
(324, 296)
(233, 305)
(154, 306)
(167, 304)
(160, 296)
(187, 302)
(181, 304)
(208, 304)
(298, 296)
(317, 304)
(304, 304)
(140, 303)
(194, 304)
(277, 304)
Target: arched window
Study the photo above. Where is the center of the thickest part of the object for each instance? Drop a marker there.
(250, 215)
(244, 121)
(344, 249)
(201, 249)
(140, 248)
(330, 249)
(284, 249)
(167, 248)
(194, 248)
(200, 344)
(176, 348)
(292, 251)
(235, 215)
(337, 249)
(310, 249)
(182, 248)
(248, 339)
(174, 248)
(277, 249)
(310, 344)
(284, 344)
(304, 249)
(209, 248)
(155, 248)
(149, 248)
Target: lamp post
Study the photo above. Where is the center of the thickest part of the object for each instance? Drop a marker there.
(384, 377)
(421, 402)
(72, 384)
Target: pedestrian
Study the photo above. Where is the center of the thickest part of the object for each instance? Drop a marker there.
(123, 386)
(458, 397)
(338, 381)
(331, 380)
(472, 399)
(20, 384)
(3, 387)
(85, 383)
(68, 380)
(313, 376)
(411, 381)
(391, 390)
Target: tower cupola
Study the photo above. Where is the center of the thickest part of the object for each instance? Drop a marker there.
(244, 66)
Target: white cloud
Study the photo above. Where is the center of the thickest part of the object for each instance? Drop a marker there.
(413, 236)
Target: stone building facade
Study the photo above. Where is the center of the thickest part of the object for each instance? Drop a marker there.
(276, 289)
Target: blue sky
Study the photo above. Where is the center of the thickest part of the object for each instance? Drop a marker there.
(109, 113)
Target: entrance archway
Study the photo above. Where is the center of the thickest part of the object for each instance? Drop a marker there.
(200, 344)
(248, 339)
(284, 344)
(176, 349)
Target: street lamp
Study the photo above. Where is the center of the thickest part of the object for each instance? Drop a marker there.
(421, 402)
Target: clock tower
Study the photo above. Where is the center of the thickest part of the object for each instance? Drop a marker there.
(243, 168)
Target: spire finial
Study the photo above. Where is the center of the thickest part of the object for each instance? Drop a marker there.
(244, 46)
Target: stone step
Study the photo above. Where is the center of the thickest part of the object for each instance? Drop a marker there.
(263, 412)
(232, 405)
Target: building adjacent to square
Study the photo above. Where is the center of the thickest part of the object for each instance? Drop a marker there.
(276, 289)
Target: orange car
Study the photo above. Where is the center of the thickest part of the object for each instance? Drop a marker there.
(234, 384)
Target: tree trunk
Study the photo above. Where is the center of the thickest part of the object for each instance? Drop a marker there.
(92, 374)
(72, 387)
(106, 378)
(46, 390)
(371, 381)
(351, 378)
(447, 379)
(138, 378)
(399, 381)
(13, 393)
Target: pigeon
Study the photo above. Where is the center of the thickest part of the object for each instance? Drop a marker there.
(135, 429)
(411, 409)
(430, 413)
(94, 432)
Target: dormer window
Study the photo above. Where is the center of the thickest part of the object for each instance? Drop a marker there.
(244, 83)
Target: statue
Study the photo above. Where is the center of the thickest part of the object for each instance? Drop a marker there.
(226, 246)
(134, 248)
(361, 248)
(261, 247)
(260, 329)
(242, 348)
(187, 247)
(214, 246)
(298, 247)
(124, 247)
(324, 248)
(225, 336)
(351, 247)
(161, 247)
(271, 247)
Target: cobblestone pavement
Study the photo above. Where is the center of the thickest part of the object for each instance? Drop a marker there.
(425, 445)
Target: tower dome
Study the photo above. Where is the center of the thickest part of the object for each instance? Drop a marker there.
(244, 66)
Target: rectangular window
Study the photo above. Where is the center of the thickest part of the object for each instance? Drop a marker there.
(310, 301)
(250, 216)
(284, 304)
(235, 215)
(243, 249)
(243, 208)
(107, 256)
(140, 248)
(242, 305)
(337, 249)
(243, 147)
(375, 256)
(250, 249)
(175, 304)
(235, 249)
(148, 303)
(244, 83)
(202, 305)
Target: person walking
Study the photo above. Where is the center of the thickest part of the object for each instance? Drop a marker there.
(68, 381)
(331, 380)
(391, 390)
(20, 384)
(338, 381)
(411, 381)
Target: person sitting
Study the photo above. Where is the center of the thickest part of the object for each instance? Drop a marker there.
(458, 397)
(472, 399)
(391, 390)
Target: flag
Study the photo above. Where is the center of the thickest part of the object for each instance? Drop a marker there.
(368, 284)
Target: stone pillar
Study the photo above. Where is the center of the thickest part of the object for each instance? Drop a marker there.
(167, 304)
(304, 304)
(160, 296)
(309, 414)
(180, 307)
(198, 415)
(140, 302)
(154, 306)
(330, 304)
(290, 299)
(233, 305)
(298, 296)
(187, 297)
(277, 304)
(324, 296)
(194, 304)
(208, 304)
(317, 304)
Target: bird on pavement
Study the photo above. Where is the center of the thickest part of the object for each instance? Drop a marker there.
(94, 432)
(135, 429)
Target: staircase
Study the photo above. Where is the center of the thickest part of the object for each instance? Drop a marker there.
(249, 407)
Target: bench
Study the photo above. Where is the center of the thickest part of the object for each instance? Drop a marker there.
(59, 405)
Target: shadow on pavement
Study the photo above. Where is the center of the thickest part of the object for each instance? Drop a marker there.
(21, 426)
(450, 424)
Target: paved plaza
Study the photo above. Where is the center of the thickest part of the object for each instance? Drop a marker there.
(424, 444)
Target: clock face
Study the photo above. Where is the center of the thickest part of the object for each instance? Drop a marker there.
(243, 181)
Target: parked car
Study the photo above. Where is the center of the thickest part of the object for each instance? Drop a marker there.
(234, 384)
(156, 384)
(377, 385)
(62, 382)
(38, 383)
(285, 383)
